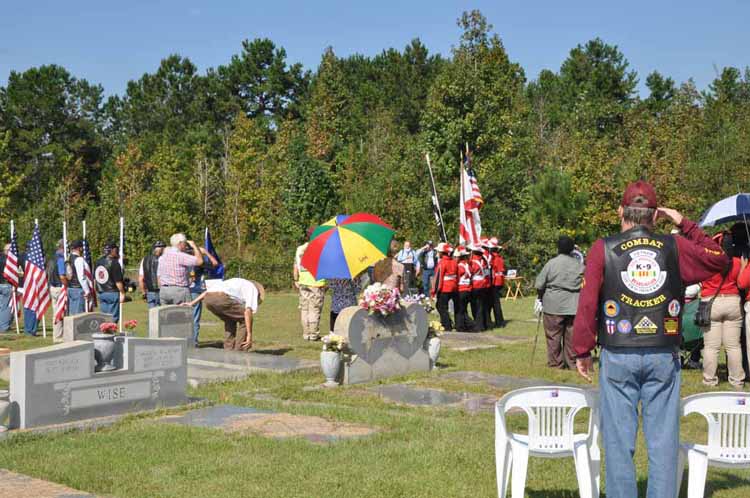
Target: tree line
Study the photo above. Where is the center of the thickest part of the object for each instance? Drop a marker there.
(260, 148)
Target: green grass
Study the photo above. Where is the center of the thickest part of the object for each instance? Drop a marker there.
(418, 452)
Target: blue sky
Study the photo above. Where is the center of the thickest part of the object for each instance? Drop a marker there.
(111, 42)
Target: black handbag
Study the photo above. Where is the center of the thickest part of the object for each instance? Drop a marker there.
(703, 313)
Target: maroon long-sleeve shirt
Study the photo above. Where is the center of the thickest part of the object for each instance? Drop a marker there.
(699, 258)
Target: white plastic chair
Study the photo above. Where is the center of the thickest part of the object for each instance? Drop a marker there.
(551, 413)
(728, 417)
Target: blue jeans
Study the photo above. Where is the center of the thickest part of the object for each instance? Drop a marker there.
(197, 311)
(29, 322)
(109, 302)
(427, 274)
(152, 298)
(6, 306)
(651, 376)
(76, 303)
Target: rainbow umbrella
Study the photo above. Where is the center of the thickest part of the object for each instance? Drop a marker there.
(344, 246)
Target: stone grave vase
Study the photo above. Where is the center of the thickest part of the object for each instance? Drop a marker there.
(104, 352)
(330, 364)
(4, 409)
(433, 350)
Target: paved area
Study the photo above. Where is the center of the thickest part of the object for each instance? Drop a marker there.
(14, 485)
(270, 424)
(468, 341)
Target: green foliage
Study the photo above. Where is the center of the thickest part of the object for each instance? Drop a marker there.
(258, 149)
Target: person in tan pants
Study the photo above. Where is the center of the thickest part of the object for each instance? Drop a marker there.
(726, 326)
(311, 295)
(235, 301)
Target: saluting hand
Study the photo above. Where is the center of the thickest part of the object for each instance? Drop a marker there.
(669, 214)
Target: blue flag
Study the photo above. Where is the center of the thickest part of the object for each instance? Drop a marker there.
(218, 270)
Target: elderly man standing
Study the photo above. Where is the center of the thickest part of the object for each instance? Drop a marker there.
(311, 294)
(408, 257)
(630, 303)
(57, 278)
(427, 261)
(235, 301)
(174, 268)
(76, 270)
(147, 274)
(558, 285)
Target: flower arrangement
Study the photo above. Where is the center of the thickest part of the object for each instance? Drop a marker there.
(130, 325)
(334, 342)
(378, 298)
(108, 328)
(420, 299)
(435, 329)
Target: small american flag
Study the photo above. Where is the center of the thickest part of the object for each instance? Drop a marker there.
(36, 288)
(87, 273)
(10, 272)
(61, 304)
(470, 230)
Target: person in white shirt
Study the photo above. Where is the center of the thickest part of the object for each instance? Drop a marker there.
(408, 257)
(235, 301)
(78, 274)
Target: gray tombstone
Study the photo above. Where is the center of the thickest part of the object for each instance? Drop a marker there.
(57, 384)
(80, 327)
(171, 321)
(383, 346)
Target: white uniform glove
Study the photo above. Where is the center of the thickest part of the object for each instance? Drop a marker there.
(538, 308)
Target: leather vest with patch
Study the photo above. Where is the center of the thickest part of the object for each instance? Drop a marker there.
(53, 277)
(103, 275)
(70, 270)
(642, 293)
(150, 267)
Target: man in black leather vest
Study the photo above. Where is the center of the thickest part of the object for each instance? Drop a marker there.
(147, 274)
(109, 281)
(630, 304)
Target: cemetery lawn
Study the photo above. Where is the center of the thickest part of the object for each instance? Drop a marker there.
(418, 452)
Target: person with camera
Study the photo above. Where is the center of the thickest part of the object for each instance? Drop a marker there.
(174, 270)
(630, 304)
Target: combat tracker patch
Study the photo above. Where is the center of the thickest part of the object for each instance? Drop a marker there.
(610, 326)
(645, 326)
(611, 308)
(671, 326)
(674, 308)
(644, 275)
(624, 327)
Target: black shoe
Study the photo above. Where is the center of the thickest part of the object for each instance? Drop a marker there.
(693, 365)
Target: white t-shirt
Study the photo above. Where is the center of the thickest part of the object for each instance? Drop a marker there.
(238, 289)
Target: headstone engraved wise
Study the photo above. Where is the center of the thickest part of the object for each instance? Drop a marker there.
(171, 321)
(57, 384)
(80, 327)
(384, 346)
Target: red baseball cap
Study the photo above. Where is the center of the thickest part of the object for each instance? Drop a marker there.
(640, 194)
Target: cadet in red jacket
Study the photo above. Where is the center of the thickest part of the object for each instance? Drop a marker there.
(479, 288)
(446, 284)
(487, 281)
(461, 306)
(498, 280)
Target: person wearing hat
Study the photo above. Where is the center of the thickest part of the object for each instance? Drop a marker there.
(109, 281)
(77, 274)
(175, 265)
(427, 261)
(630, 304)
(55, 271)
(479, 288)
(558, 285)
(497, 264)
(486, 245)
(311, 294)
(461, 306)
(446, 284)
(235, 301)
(148, 274)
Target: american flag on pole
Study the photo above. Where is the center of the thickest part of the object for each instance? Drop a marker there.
(87, 273)
(61, 305)
(10, 272)
(471, 202)
(36, 289)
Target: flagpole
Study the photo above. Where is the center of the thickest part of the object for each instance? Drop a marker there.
(65, 240)
(44, 321)
(122, 259)
(437, 200)
(15, 289)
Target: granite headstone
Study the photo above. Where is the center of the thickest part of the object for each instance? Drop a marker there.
(171, 321)
(57, 384)
(383, 346)
(80, 327)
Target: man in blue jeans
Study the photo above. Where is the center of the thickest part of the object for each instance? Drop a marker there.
(6, 295)
(427, 260)
(630, 304)
(198, 286)
(109, 281)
